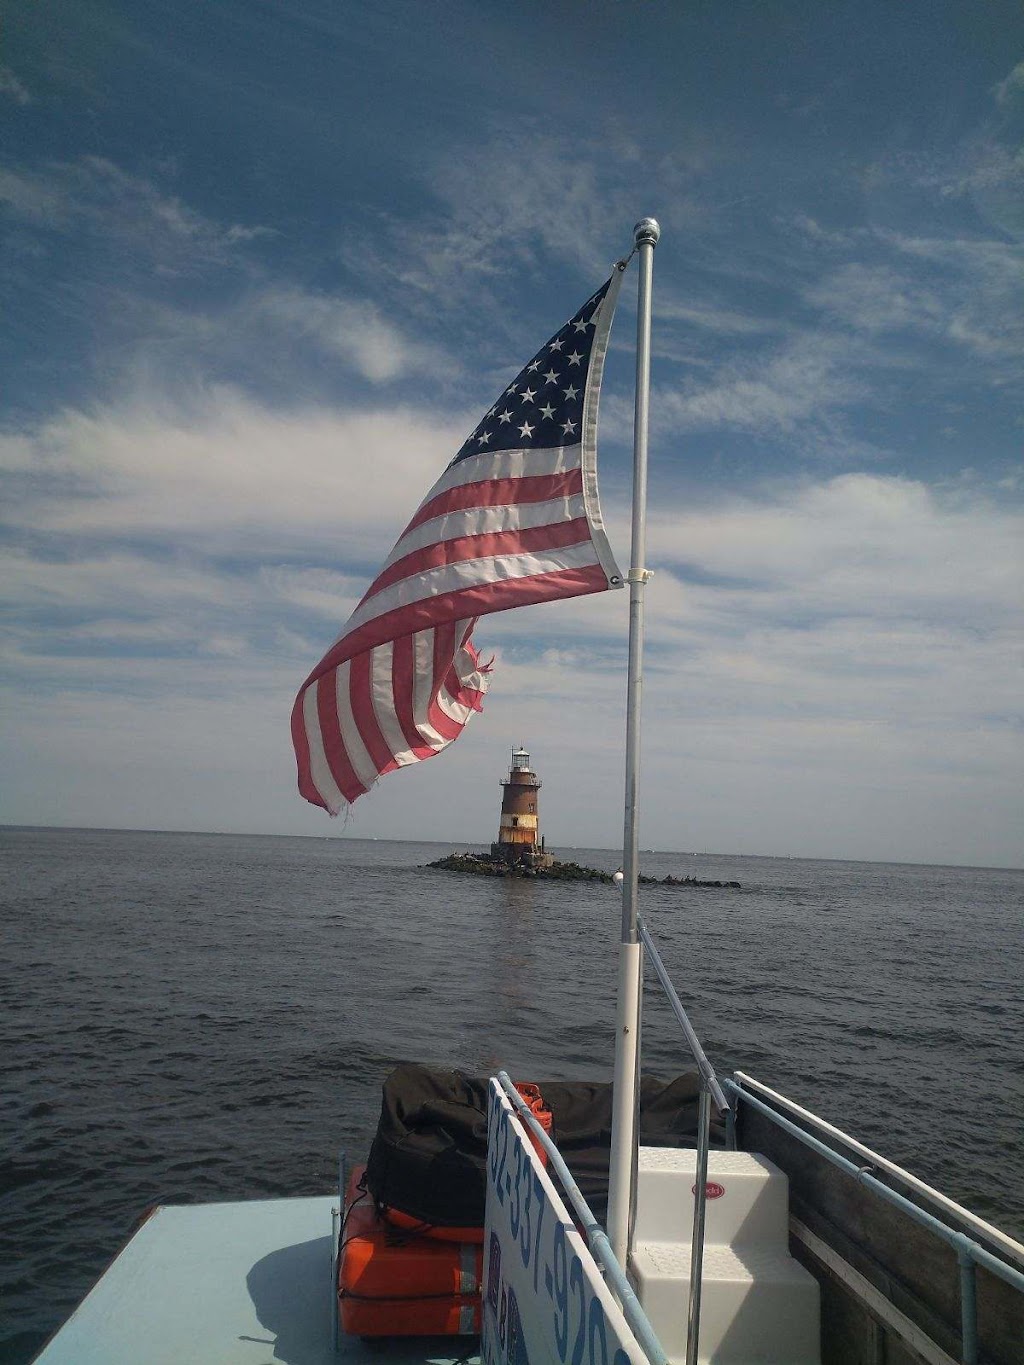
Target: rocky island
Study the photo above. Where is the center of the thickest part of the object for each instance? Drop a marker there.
(519, 850)
(488, 865)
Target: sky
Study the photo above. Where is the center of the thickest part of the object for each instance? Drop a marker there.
(266, 264)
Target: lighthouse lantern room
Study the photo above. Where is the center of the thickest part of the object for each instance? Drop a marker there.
(519, 837)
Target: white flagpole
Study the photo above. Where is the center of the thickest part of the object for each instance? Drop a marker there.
(627, 1018)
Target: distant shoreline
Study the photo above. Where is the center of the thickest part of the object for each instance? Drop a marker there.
(451, 843)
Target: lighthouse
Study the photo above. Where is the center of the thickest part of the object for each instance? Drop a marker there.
(519, 837)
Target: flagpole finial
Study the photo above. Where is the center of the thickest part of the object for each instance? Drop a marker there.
(647, 230)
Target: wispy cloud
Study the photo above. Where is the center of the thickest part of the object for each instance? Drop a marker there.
(786, 388)
(355, 331)
(855, 625)
(139, 250)
(985, 282)
(1009, 92)
(867, 307)
(95, 195)
(857, 547)
(235, 411)
(719, 319)
(222, 464)
(511, 204)
(878, 298)
(13, 88)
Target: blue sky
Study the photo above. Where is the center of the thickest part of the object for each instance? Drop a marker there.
(265, 264)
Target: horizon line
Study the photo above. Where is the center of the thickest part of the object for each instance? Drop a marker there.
(479, 843)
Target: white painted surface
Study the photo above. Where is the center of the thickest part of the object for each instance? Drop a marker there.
(545, 1301)
(753, 1206)
(758, 1305)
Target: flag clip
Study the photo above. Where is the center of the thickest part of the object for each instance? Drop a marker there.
(641, 576)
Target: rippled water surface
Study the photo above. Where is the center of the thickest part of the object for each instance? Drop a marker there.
(194, 1017)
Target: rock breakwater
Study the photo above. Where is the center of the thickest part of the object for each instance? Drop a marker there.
(482, 865)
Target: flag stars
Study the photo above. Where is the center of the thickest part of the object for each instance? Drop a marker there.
(549, 391)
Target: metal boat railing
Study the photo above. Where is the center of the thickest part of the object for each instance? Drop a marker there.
(597, 1240)
(716, 1095)
(711, 1094)
(969, 1253)
(985, 1231)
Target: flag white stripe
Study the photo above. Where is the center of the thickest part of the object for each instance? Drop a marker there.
(319, 770)
(507, 464)
(362, 764)
(455, 710)
(467, 574)
(382, 694)
(468, 675)
(423, 691)
(477, 521)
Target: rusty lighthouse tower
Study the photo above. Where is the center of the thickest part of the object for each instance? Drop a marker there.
(519, 837)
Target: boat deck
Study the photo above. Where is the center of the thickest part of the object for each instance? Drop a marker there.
(227, 1284)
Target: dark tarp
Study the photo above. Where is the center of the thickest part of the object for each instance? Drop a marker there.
(428, 1158)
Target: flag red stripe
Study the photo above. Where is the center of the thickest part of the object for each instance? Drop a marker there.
(301, 743)
(403, 665)
(444, 651)
(478, 600)
(500, 493)
(361, 697)
(445, 645)
(465, 696)
(334, 744)
(482, 546)
(442, 722)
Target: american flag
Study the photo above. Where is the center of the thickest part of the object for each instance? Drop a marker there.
(514, 519)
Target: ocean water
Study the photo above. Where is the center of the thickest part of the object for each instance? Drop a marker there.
(195, 1017)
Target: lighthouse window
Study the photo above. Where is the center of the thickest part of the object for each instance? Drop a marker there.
(515, 821)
